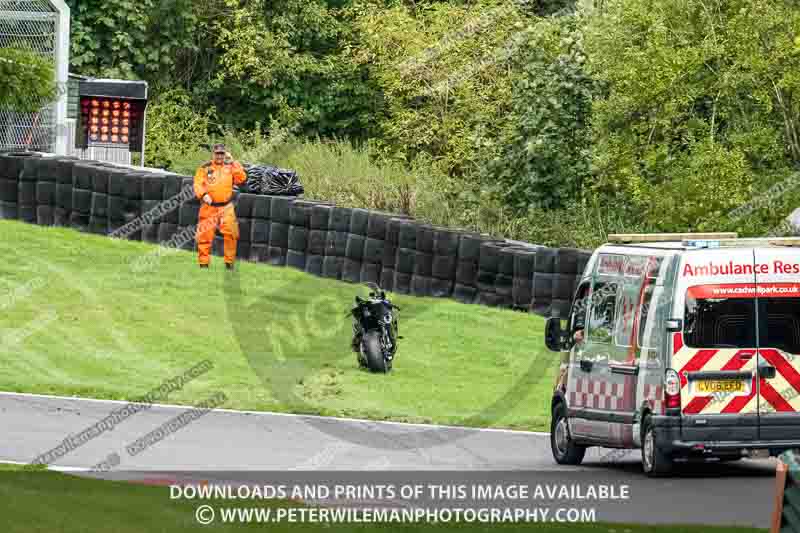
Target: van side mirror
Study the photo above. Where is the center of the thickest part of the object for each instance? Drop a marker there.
(674, 325)
(553, 334)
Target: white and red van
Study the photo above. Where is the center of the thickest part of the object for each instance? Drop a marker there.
(683, 345)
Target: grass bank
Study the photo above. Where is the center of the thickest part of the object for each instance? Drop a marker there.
(77, 319)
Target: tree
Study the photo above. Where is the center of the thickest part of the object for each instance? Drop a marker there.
(701, 107)
(544, 151)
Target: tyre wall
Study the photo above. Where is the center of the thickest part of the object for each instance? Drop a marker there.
(355, 245)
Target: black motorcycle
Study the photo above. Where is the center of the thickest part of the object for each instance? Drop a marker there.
(375, 331)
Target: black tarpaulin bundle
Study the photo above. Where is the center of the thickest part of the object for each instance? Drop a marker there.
(265, 179)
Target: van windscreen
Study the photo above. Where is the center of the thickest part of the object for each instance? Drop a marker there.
(720, 323)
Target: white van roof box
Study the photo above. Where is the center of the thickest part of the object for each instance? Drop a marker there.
(702, 240)
(667, 237)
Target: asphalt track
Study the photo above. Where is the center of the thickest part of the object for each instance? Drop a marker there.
(240, 443)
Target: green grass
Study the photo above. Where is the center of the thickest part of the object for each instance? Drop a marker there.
(90, 326)
(52, 502)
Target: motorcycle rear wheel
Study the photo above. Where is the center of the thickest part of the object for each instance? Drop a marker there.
(371, 346)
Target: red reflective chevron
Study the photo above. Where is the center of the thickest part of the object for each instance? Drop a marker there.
(677, 342)
(782, 366)
(738, 402)
(697, 362)
(698, 403)
(769, 393)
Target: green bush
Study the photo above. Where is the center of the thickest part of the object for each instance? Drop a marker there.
(27, 80)
(175, 130)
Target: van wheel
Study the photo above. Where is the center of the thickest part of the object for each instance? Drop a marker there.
(565, 451)
(655, 463)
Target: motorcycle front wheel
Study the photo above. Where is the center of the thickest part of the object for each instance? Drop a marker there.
(371, 345)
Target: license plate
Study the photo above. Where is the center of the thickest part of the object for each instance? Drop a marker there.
(710, 386)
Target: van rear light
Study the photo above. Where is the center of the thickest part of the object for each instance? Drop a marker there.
(672, 389)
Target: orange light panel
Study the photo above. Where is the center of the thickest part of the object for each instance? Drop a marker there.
(106, 105)
(95, 103)
(115, 104)
(114, 139)
(104, 138)
(125, 138)
(125, 131)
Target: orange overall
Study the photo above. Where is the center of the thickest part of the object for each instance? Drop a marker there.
(217, 181)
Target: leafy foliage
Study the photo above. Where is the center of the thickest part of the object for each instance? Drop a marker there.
(700, 111)
(174, 128)
(545, 155)
(27, 80)
(132, 39)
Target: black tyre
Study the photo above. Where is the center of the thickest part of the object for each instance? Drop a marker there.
(46, 193)
(565, 450)
(259, 231)
(259, 253)
(279, 209)
(465, 294)
(296, 259)
(246, 230)
(336, 244)
(277, 255)
(314, 264)
(153, 188)
(320, 217)
(372, 352)
(279, 235)
(45, 215)
(371, 273)
(655, 462)
(244, 206)
(340, 219)
(407, 235)
(425, 234)
(373, 250)
(316, 242)
(298, 238)
(351, 270)
(261, 207)
(423, 264)
(441, 288)
(242, 250)
(359, 221)
(387, 279)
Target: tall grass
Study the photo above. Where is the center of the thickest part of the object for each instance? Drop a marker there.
(352, 176)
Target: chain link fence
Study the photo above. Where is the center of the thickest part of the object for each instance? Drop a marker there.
(32, 24)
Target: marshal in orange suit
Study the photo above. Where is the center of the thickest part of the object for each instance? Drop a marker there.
(213, 186)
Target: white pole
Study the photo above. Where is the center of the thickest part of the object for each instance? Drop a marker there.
(62, 74)
(144, 135)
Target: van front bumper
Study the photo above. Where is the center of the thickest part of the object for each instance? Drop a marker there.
(723, 439)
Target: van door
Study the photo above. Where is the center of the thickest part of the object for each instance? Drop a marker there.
(714, 355)
(603, 380)
(778, 313)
